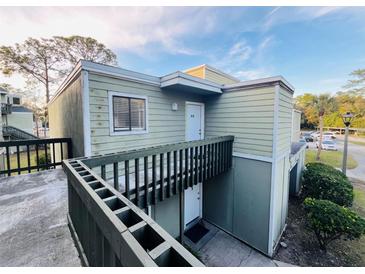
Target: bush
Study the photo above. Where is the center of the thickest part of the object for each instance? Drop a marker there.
(330, 221)
(42, 161)
(321, 181)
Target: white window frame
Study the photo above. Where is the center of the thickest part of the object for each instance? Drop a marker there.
(111, 116)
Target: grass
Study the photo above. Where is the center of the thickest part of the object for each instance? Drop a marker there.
(332, 158)
(359, 201)
(357, 143)
(23, 160)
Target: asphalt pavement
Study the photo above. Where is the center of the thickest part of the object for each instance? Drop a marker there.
(357, 152)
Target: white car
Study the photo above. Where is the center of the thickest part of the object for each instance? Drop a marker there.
(328, 145)
(315, 135)
(325, 136)
(329, 134)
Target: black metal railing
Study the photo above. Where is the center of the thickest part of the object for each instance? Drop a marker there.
(148, 175)
(109, 230)
(17, 134)
(5, 108)
(26, 156)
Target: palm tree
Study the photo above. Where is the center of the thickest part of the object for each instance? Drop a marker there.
(323, 104)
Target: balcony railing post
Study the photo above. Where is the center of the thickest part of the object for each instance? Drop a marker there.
(116, 175)
(162, 177)
(69, 149)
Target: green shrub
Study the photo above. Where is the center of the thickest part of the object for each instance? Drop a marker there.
(324, 182)
(330, 221)
(42, 160)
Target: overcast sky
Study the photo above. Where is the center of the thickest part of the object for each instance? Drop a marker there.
(313, 48)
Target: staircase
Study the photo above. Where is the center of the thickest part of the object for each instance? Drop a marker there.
(15, 133)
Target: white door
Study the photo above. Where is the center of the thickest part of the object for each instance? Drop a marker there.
(194, 131)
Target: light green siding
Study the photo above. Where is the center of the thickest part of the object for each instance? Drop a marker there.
(245, 113)
(217, 77)
(211, 74)
(296, 119)
(164, 125)
(21, 120)
(285, 121)
(66, 116)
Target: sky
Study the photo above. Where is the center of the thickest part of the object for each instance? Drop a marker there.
(314, 48)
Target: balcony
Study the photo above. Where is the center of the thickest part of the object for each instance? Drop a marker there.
(5, 108)
(107, 220)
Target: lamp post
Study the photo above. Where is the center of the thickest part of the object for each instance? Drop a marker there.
(346, 118)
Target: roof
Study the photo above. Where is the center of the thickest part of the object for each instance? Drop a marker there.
(20, 109)
(3, 90)
(178, 79)
(296, 147)
(185, 82)
(262, 81)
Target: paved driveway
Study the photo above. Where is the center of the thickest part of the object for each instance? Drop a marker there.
(358, 153)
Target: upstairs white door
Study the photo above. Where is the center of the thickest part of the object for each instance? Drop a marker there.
(194, 119)
(194, 131)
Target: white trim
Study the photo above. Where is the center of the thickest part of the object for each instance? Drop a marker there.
(202, 118)
(269, 80)
(273, 170)
(86, 112)
(111, 117)
(183, 79)
(282, 155)
(253, 157)
(66, 82)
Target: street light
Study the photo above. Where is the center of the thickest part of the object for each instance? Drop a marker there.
(346, 118)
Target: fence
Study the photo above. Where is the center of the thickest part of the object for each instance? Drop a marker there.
(26, 156)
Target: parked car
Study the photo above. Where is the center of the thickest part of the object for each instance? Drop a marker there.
(307, 136)
(325, 136)
(304, 141)
(315, 135)
(329, 134)
(328, 145)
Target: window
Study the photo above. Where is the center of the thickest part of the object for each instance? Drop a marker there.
(127, 113)
(16, 101)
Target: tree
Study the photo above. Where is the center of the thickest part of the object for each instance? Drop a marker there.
(357, 85)
(87, 48)
(304, 103)
(36, 59)
(47, 61)
(322, 104)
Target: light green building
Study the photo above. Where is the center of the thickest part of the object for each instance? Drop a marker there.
(14, 114)
(107, 109)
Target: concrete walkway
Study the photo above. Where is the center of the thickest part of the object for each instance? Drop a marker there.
(33, 224)
(218, 248)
